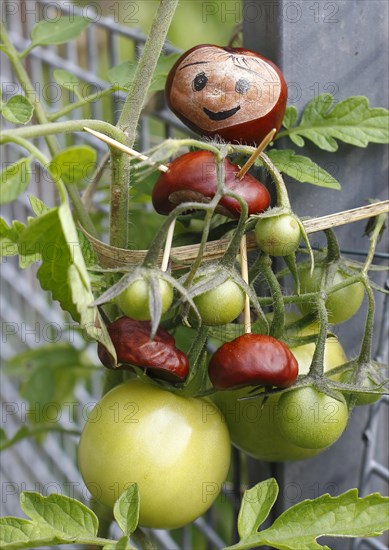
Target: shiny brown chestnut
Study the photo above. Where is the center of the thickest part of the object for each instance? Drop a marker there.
(253, 360)
(192, 177)
(131, 340)
(233, 93)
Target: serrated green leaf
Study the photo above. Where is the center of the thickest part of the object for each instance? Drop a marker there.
(351, 121)
(74, 164)
(126, 510)
(302, 168)
(63, 271)
(14, 180)
(290, 117)
(343, 516)
(68, 517)
(256, 505)
(9, 239)
(67, 80)
(58, 31)
(18, 110)
(17, 533)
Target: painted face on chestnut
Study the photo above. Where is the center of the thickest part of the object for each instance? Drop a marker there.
(215, 90)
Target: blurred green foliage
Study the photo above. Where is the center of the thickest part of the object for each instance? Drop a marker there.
(195, 21)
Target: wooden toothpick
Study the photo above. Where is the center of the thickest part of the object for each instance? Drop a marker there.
(261, 147)
(245, 277)
(161, 167)
(124, 148)
(168, 246)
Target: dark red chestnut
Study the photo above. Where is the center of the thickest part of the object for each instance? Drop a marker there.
(192, 177)
(233, 93)
(251, 360)
(131, 340)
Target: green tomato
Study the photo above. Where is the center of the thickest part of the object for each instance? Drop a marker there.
(278, 235)
(176, 449)
(134, 300)
(311, 419)
(342, 304)
(222, 304)
(253, 424)
(362, 398)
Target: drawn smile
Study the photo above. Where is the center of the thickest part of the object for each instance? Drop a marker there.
(221, 115)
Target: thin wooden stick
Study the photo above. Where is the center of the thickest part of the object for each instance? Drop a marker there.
(245, 277)
(183, 255)
(168, 246)
(124, 148)
(261, 147)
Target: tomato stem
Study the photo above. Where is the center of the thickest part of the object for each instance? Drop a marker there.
(282, 192)
(278, 321)
(317, 365)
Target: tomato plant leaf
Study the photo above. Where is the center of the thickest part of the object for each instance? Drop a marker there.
(18, 110)
(58, 31)
(9, 239)
(74, 164)
(38, 207)
(68, 81)
(346, 515)
(121, 544)
(122, 75)
(17, 533)
(290, 117)
(302, 168)
(63, 271)
(69, 517)
(126, 510)
(351, 121)
(14, 180)
(256, 505)
(49, 373)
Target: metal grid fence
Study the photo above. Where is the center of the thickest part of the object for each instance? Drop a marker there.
(50, 467)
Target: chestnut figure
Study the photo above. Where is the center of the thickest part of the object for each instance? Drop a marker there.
(131, 340)
(251, 360)
(192, 177)
(233, 93)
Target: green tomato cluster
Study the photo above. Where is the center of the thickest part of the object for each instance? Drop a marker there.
(255, 427)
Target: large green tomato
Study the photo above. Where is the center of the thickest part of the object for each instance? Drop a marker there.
(253, 425)
(311, 419)
(342, 304)
(221, 304)
(134, 300)
(177, 449)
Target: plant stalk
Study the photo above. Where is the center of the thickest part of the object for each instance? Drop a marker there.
(27, 85)
(133, 105)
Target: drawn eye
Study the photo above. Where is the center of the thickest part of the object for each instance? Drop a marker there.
(242, 86)
(199, 82)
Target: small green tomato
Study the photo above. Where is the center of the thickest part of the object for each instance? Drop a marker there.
(278, 235)
(311, 419)
(222, 304)
(134, 300)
